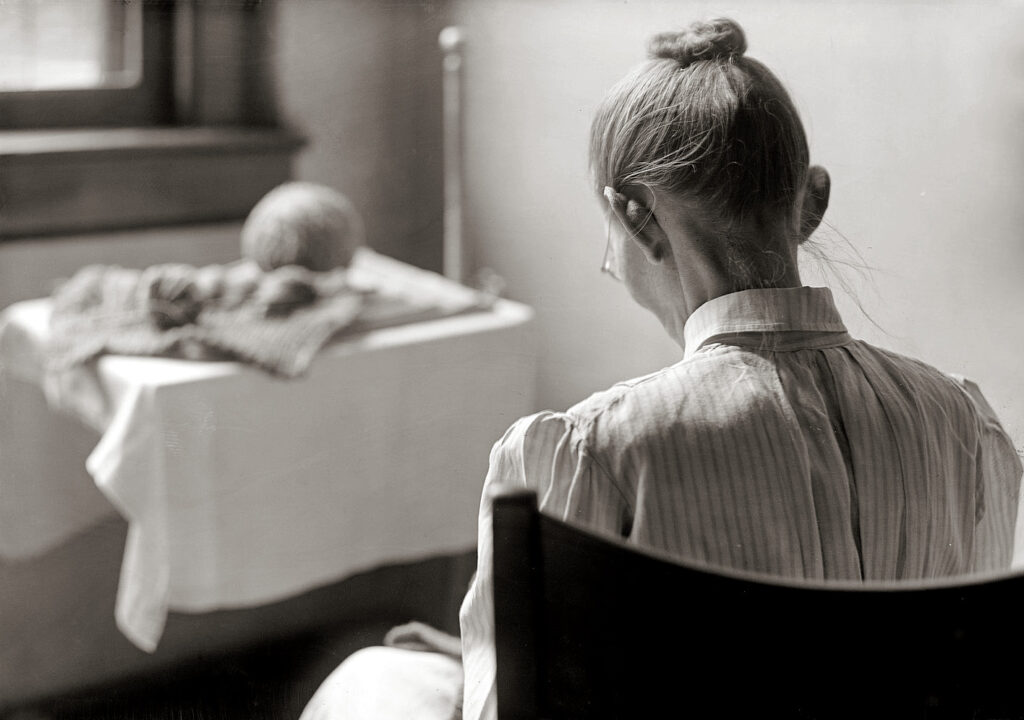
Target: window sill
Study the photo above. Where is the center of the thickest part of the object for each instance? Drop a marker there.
(60, 181)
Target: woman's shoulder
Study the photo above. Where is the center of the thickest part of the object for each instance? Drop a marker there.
(693, 390)
(939, 394)
(925, 380)
(689, 379)
(549, 428)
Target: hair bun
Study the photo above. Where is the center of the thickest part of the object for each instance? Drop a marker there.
(708, 40)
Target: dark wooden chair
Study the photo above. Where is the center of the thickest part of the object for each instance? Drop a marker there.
(589, 627)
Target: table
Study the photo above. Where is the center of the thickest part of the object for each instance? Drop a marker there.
(240, 488)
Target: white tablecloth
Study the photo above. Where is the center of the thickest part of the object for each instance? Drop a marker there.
(242, 489)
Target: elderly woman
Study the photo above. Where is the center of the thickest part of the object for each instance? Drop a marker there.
(778, 443)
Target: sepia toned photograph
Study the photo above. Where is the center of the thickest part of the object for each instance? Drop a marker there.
(511, 359)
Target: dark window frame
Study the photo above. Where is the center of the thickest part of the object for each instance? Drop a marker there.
(213, 148)
(146, 103)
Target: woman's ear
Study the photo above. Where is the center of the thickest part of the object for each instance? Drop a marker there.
(815, 200)
(640, 223)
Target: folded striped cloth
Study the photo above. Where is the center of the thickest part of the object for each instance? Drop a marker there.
(106, 309)
(275, 321)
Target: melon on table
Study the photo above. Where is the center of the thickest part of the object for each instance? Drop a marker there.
(302, 223)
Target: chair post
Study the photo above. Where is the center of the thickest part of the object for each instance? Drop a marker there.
(517, 592)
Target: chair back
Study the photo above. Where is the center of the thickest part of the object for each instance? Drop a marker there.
(591, 627)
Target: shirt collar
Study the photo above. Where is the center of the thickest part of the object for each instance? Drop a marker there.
(771, 310)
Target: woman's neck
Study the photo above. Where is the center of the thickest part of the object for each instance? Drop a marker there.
(757, 252)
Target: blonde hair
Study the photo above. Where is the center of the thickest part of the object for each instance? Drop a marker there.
(703, 120)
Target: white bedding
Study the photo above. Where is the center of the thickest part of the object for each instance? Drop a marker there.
(240, 488)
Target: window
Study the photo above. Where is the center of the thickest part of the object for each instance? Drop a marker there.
(131, 113)
(61, 45)
(85, 63)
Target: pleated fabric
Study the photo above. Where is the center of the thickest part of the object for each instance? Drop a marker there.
(778, 444)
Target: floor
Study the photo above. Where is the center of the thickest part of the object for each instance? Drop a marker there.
(271, 682)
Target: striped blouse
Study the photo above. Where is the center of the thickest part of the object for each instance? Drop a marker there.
(778, 444)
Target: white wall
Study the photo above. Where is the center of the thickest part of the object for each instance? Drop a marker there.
(361, 79)
(30, 268)
(916, 109)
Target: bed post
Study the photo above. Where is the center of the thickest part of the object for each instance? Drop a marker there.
(452, 40)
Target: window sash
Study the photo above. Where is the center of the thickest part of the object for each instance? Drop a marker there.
(150, 102)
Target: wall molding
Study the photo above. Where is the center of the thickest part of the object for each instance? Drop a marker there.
(61, 181)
